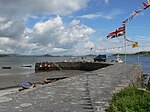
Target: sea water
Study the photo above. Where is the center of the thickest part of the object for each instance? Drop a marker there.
(16, 62)
(144, 61)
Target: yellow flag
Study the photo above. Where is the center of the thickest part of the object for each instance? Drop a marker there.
(134, 45)
(148, 2)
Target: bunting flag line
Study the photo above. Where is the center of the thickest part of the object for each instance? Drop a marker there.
(127, 40)
(118, 32)
(133, 45)
(121, 31)
(137, 11)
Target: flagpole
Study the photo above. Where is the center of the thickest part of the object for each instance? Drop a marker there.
(138, 56)
(125, 49)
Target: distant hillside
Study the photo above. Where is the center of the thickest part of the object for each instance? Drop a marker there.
(142, 53)
(8, 55)
(18, 55)
(91, 55)
(47, 55)
(3, 55)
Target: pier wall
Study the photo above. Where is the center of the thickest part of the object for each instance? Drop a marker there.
(86, 66)
(136, 77)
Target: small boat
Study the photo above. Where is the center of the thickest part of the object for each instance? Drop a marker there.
(26, 65)
(119, 60)
(27, 85)
(6, 67)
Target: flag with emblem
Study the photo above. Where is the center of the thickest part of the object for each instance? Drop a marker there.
(134, 45)
(118, 32)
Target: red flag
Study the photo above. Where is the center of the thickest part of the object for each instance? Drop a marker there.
(144, 4)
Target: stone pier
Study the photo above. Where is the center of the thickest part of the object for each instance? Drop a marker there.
(87, 92)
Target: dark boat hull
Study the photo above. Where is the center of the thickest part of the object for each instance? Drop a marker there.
(26, 65)
(6, 67)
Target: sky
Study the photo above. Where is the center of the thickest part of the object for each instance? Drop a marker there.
(71, 27)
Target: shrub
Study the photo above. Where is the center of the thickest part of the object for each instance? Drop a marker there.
(130, 99)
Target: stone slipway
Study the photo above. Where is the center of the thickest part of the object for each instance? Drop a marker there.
(87, 92)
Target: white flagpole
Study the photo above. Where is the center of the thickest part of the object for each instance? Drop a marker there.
(138, 56)
(125, 50)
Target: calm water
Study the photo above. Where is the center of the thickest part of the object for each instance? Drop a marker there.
(16, 62)
(144, 61)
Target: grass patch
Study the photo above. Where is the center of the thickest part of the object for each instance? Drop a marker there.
(130, 99)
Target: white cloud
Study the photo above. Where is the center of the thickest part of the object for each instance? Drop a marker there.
(74, 22)
(106, 1)
(14, 13)
(59, 50)
(111, 15)
(42, 27)
(52, 36)
(49, 36)
(90, 16)
(11, 28)
(89, 45)
(54, 33)
(11, 8)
